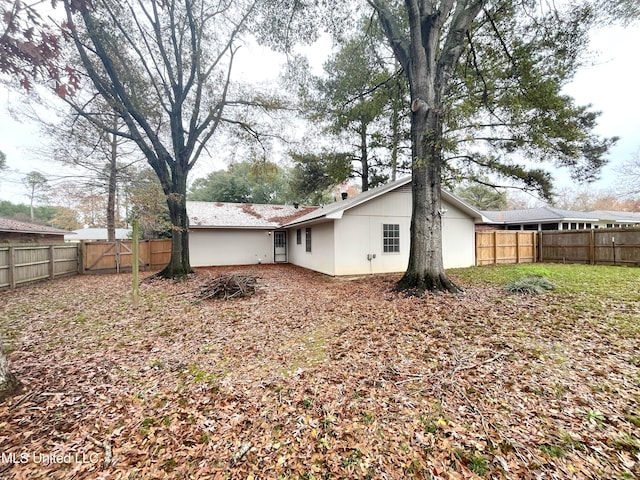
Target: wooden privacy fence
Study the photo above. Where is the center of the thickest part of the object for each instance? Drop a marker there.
(105, 257)
(619, 246)
(506, 246)
(25, 263)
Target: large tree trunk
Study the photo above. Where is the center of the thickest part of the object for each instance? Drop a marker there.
(428, 56)
(179, 265)
(364, 156)
(113, 185)
(426, 269)
(8, 381)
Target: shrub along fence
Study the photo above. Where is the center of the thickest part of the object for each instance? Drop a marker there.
(21, 264)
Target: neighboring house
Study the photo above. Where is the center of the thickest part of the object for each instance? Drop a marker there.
(14, 231)
(367, 233)
(96, 234)
(549, 218)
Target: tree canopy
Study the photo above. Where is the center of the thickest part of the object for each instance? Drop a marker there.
(256, 181)
(486, 94)
(356, 99)
(164, 68)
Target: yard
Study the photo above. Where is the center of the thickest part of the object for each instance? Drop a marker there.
(316, 377)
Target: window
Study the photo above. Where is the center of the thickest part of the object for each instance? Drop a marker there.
(308, 239)
(390, 238)
(299, 236)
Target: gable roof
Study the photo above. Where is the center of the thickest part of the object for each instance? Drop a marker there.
(242, 215)
(336, 209)
(16, 226)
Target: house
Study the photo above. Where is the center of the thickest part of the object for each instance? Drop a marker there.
(367, 233)
(97, 234)
(550, 218)
(238, 233)
(14, 231)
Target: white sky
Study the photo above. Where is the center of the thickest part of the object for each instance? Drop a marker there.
(610, 85)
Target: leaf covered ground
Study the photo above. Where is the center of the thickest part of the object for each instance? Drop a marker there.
(315, 377)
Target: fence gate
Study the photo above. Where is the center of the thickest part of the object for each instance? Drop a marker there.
(109, 257)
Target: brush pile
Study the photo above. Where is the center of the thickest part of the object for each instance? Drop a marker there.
(228, 286)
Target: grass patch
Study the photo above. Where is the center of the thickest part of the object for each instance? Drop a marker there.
(552, 450)
(618, 283)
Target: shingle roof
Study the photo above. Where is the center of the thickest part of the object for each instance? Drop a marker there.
(241, 215)
(334, 210)
(617, 217)
(551, 214)
(9, 225)
(540, 214)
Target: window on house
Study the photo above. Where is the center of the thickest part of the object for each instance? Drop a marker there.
(308, 239)
(390, 238)
(299, 236)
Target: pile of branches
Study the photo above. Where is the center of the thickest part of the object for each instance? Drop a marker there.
(229, 285)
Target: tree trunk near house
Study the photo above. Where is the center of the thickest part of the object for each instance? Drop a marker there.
(425, 270)
(8, 382)
(113, 184)
(364, 156)
(428, 55)
(179, 265)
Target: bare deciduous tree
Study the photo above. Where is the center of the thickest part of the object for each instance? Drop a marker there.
(164, 68)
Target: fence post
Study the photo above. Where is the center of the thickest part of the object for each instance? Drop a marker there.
(52, 263)
(592, 247)
(12, 268)
(517, 247)
(539, 246)
(135, 267)
(81, 257)
(495, 247)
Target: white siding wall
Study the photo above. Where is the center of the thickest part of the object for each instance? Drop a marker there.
(210, 247)
(321, 258)
(359, 233)
(458, 238)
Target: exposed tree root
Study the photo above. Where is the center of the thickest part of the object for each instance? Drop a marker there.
(169, 274)
(415, 284)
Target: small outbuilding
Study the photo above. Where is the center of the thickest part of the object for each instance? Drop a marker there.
(15, 231)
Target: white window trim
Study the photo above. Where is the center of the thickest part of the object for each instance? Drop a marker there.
(382, 239)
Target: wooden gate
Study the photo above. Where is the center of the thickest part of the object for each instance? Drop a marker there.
(110, 257)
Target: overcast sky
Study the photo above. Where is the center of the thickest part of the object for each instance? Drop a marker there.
(610, 85)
